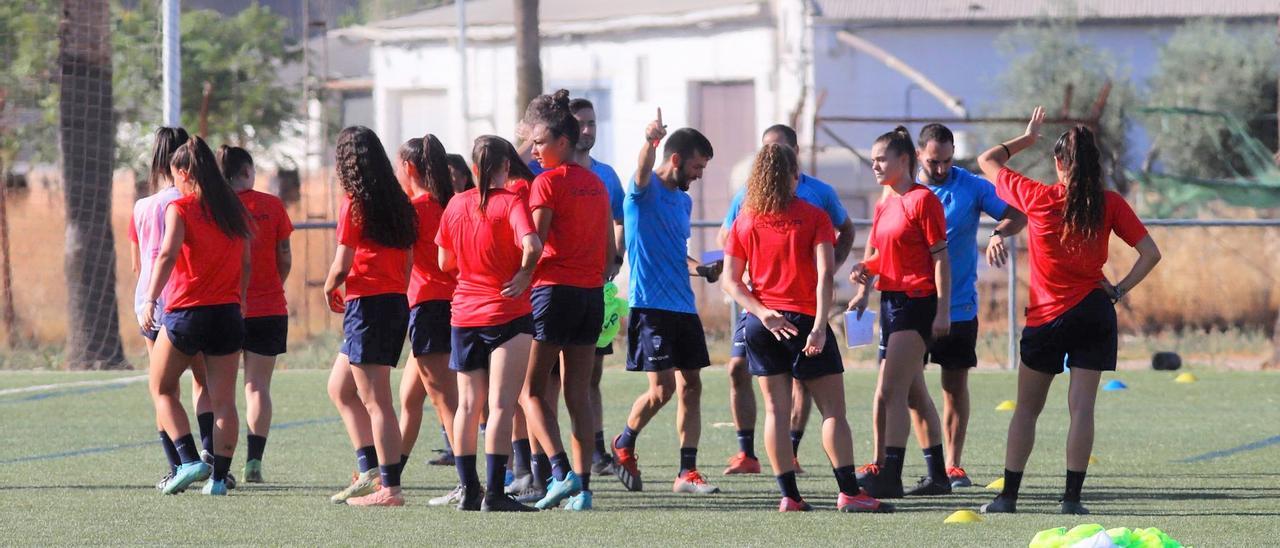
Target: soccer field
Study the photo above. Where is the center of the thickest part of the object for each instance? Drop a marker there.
(1200, 461)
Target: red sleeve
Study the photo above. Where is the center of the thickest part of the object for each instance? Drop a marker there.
(733, 245)
(541, 195)
(826, 233)
(932, 219)
(520, 219)
(1124, 222)
(442, 234)
(133, 231)
(348, 230)
(1018, 190)
(284, 226)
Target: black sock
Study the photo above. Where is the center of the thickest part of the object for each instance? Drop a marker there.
(257, 446)
(936, 464)
(521, 457)
(390, 474)
(1012, 482)
(787, 483)
(796, 436)
(747, 443)
(586, 481)
(448, 447)
(170, 451)
(688, 460)
(1075, 483)
(205, 420)
(404, 461)
(221, 465)
(541, 470)
(366, 458)
(467, 477)
(187, 452)
(560, 467)
(602, 453)
(893, 457)
(495, 472)
(847, 479)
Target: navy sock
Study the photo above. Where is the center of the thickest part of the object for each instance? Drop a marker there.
(170, 451)
(796, 436)
(205, 420)
(221, 465)
(257, 446)
(936, 464)
(366, 458)
(521, 457)
(627, 439)
(448, 447)
(1075, 484)
(847, 479)
(404, 461)
(893, 457)
(187, 452)
(787, 483)
(541, 470)
(560, 467)
(688, 460)
(390, 474)
(602, 454)
(467, 476)
(586, 481)
(495, 473)
(747, 442)
(1012, 482)
(483, 426)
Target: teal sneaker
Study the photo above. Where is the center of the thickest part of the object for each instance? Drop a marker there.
(253, 471)
(185, 475)
(558, 490)
(207, 458)
(579, 503)
(215, 487)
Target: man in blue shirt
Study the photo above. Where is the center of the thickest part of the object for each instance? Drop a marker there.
(965, 197)
(665, 338)
(742, 398)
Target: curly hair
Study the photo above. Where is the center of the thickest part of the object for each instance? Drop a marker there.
(377, 201)
(769, 188)
(554, 112)
(1078, 152)
(216, 196)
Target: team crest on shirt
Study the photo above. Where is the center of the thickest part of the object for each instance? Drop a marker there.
(657, 342)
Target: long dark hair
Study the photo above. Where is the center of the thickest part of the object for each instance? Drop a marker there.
(377, 201)
(899, 141)
(459, 163)
(1077, 151)
(517, 169)
(553, 111)
(769, 186)
(430, 159)
(168, 139)
(216, 197)
(232, 161)
(488, 155)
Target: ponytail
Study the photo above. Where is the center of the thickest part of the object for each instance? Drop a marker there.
(490, 157)
(216, 197)
(431, 161)
(899, 141)
(1078, 153)
(168, 139)
(232, 161)
(553, 111)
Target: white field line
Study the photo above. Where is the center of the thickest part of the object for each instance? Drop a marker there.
(43, 387)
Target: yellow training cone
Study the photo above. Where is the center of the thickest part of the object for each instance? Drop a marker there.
(997, 485)
(1093, 460)
(963, 516)
(1006, 405)
(1185, 378)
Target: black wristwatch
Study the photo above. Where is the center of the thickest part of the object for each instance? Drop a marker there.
(617, 259)
(994, 233)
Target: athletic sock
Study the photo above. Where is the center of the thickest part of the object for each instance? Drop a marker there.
(893, 457)
(221, 465)
(390, 474)
(404, 461)
(1075, 484)
(448, 447)
(747, 443)
(787, 483)
(366, 458)
(627, 439)
(586, 481)
(541, 470)
(186, 447)
(936, 464)
(796, 436)
(205, 420)
(521, 457)
(688, 460)
(602, 454)
(560, 467)
(847, 479)
(170, 451)
(257, 446)
(1013, 482)
(466, 465)
(495, 472)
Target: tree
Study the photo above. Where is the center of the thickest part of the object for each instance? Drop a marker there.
(28, 48)
(86, 126)
(528, 54)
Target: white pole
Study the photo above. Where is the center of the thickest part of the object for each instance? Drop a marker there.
(171, 60)
(464, 89)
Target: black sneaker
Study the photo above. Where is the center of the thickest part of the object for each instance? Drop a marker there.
(879, 485)
(1074, 508)
(471, 504)
(1000, 505)
(602, 466)
(504, 503)
(926, 487)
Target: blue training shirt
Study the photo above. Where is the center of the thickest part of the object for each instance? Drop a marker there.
(657, 230)
(810, 189)
(965, 197)
(607, 176)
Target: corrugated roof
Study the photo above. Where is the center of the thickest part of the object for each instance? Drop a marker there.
(499, 12)
(1002, 10)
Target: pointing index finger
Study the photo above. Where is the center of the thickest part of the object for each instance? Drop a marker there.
(659, 115)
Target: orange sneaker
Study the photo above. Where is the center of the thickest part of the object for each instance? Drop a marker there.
(693, 482)
(381, 497)
(958, 477)
(789, 504)
(742, 464)
(627, 467)
(862, 502)
(865, 470)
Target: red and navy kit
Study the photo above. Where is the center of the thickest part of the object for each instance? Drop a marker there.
(904, 229)
(487, 247)
(780, 252)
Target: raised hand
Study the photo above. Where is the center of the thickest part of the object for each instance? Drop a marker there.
(1037, 120)
(656, 130)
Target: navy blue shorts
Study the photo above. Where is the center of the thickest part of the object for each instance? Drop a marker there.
(215, 330)
(898, 312)
(564, 315)
(429, 330)
(373, 329)
(739, 348)
(766, 355)
(472, 346)
(658, 340)
(957, 350)
(1083, 337)
(266, 335)
(151, 335)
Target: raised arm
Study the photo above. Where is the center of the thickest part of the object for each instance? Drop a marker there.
(653, 135)
(997, 156)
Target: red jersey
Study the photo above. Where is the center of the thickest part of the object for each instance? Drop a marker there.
(1063, 273)
(208, 269)
(904, 229)
(377, 269)
(488, 251)
(520, 187)
(573, 254)
(780, 254)
(428, 282)
(271, 226)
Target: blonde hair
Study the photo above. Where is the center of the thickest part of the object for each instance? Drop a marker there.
(769, 186)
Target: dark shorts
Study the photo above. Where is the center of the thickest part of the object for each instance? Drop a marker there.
(266, 335)
(658, 340)
(472, 346)
(215, 330)
(373, 329)
(739, 347)
(429, 330)
(567, 316)
(957, 350)
(766, 355)
(151, 335)
(604, 350)
(898, 312)
(1083, 337)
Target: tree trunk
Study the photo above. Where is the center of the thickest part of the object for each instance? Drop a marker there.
(87, 130)
(528, 54)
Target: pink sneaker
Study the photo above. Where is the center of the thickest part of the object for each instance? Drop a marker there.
(862, 502)
(381, 497)
(789, 504)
